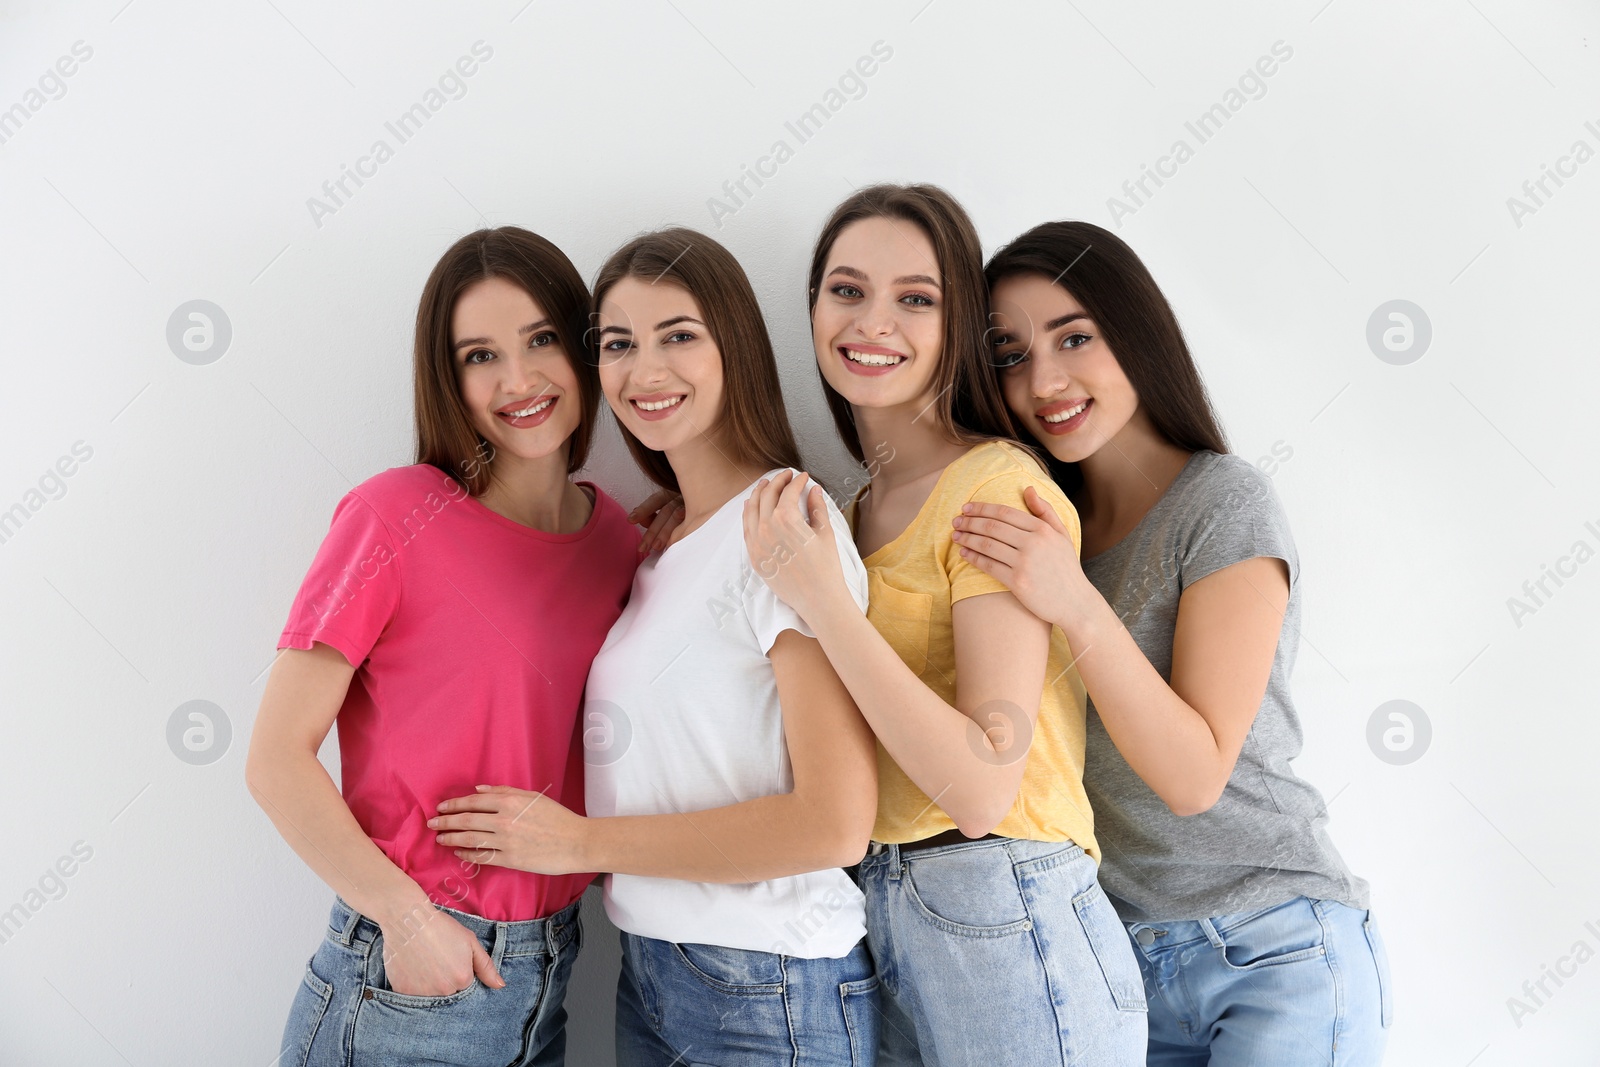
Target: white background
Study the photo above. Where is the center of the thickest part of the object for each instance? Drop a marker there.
(1376, 166)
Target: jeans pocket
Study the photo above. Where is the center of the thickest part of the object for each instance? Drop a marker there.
(861, 1019)
(1108, 940)
(1291, 932)
(1380, 958)
(305, 1017)
(735, 972)
(971, 891)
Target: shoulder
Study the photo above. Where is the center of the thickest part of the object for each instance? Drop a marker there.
(1001, 470)
(1228, 487)
(399, 489)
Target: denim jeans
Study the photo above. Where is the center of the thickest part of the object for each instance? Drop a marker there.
(345, 1014)
(691, 1005)
(1000, 951)
(1304, 983)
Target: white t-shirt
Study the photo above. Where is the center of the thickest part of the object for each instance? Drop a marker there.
(681, 714)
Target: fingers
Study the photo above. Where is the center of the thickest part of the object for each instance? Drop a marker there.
(485, 802)
(968, 529)
(651, 506)
(816, 509)
(1001, 512)
(996, 550)
(1040, 507)
(476, 820)
(989, 566)
(484, 968)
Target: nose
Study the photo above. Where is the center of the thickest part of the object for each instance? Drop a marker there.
(649, 365)
(523, 377)
(876, 318)
(1046, 376)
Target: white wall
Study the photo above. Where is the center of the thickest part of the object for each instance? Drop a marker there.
(177, 165)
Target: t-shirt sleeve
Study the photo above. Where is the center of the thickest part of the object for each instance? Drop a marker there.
(353, 587)
(770, 616)
(966, 579)
(1239, 517)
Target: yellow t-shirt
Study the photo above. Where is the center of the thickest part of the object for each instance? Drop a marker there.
(912, 582)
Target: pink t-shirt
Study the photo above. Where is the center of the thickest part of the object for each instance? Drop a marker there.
(472, 636)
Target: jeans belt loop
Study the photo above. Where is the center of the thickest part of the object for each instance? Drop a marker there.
(1212, 935)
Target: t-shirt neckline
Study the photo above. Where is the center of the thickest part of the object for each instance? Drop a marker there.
(916, 520)
(712, 518)
(485, 511)
(1161, 502)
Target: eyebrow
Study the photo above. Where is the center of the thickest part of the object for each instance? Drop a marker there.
(484, 340)
(662, 325)
(1057, 323)
(908, 279)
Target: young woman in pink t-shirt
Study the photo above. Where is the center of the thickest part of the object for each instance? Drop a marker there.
(447, 624)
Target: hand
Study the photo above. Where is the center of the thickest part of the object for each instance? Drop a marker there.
(426, 953)
(660, 514)
(499, 826)
(1032, 554)
(795, 554)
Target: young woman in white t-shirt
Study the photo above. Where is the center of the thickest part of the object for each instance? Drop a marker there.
(730, 776)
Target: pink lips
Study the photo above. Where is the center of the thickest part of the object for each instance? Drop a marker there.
(1059, 406)
(871, 350)
(526, 421)
(655, 398)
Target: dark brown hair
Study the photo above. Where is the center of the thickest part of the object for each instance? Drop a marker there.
(445, 434)
(1115, 288)
(753, 426)
(969, 406)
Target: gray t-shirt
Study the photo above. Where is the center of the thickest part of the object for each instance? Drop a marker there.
(1264, 842)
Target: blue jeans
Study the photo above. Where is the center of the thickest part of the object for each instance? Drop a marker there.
(689, 1005)
(345, 1014)
(1304, 983)
(1000, 951)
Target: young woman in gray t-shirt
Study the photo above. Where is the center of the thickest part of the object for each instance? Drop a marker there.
(1254, 937)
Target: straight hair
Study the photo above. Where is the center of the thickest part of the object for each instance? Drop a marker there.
(1119, 294)
(968, 405)
(753, 426)
(445, 435)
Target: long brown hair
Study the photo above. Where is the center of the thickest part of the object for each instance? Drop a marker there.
(969, 406)
(1114, 286)
(753, 426)
(445, 436)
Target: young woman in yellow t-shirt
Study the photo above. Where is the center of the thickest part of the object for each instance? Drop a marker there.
(991, 934)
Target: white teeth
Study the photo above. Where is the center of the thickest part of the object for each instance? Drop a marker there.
(870, 359)
(657, 405)
(535, 409)
(1065, 415)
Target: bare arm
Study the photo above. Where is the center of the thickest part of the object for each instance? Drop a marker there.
(969, 758)
(302, 699)
(1182, 739)
(825, 821)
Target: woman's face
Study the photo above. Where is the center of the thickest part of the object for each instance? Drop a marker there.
(878, 323)
(1059, 377)
(515, 377)
(660, 370)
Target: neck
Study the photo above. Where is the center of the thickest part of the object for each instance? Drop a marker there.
(707, 479)
(902, 444)
(1128, 473)
(536, 493)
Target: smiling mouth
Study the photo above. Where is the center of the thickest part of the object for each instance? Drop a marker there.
(1063, 416)
(871, 359)
(531, 409)
(658, 405)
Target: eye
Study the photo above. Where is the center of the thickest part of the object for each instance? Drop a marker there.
(920, 300)
(472, 357)
(1007, 360)
(679, 337)
(541, 340)
(845, 290)
(619, 344)
(1075, 340)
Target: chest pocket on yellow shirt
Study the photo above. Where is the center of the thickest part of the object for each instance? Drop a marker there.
(902, 618)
